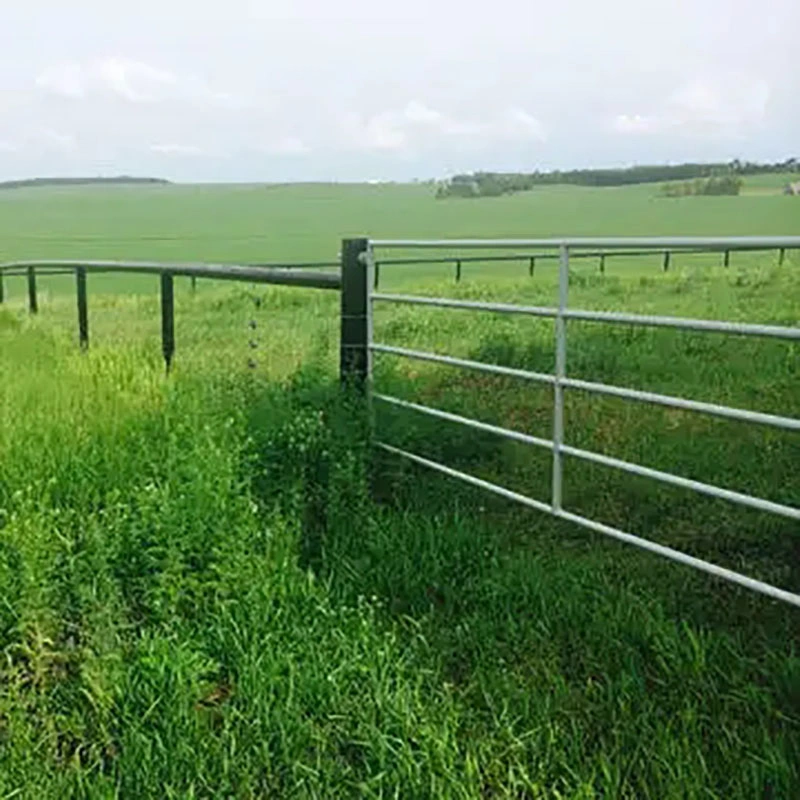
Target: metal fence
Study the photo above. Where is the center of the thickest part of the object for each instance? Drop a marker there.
(356, 279)
(361, 264)
(666, 258)
(299, 274)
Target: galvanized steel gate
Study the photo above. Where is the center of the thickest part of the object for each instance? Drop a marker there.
(359, 264)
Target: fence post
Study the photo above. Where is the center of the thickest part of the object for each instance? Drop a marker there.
(83, 310)
(666, 260)
(33, 303)
(532, 265)
(355, 359)
(376, 267)
(602, 263)
(167, 318)
(560, 374)
(194, 283)
(458, 271)
(2, 288)
(781, 254)
(726, 259)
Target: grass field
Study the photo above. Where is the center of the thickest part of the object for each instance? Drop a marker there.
(211, 587)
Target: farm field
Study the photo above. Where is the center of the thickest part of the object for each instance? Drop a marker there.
(210, 586)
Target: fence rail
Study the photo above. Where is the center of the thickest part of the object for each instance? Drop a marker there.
(300, 274)
(356, 281)
(561, 382)
(666, 255)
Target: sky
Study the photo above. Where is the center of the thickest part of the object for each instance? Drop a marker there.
(279, 90)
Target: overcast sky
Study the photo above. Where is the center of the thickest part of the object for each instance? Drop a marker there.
(361, 89)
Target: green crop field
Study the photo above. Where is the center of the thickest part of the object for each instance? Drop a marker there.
(210, 586)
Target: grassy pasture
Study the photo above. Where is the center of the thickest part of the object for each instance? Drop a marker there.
(204, 594)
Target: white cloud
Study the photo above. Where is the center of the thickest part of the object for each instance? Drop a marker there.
(8, 147)
(726, 106)
(66, 80)
(287, 145)
(418, 125)
(171, 149)
(133, 81)
(54, 140)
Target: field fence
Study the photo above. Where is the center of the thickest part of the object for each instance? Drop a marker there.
(356, 277)
(559, 380)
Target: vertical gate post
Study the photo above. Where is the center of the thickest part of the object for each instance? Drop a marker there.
(781, 255)
(532, 265)
(560, 375)
(726, 259)
(376, 267)
(602, 263)
(666, 260)
(355, 364)
(2, 288)
(458, 271)
(33, 303)
(83, 307)
(167, 319)
(194, 283)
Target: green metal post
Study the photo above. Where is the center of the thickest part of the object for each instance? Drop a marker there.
(781, 255)
(194, 283)
(33, 303)
(167, 319)
(666, 260)
(83, 307)
(726, 259)
(356, 315)
(532, 265)
(458, 271)
(376, 275)
(602, 263)
(2, 288)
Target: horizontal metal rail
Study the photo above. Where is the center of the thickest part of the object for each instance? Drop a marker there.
(470, 423)
(480, 366)
(553, 256)
(646, 320)
(473, 305)
(607, 530)
(713, 409)
(284, 276)
(607, 461)
(601, 242)
(726, 412)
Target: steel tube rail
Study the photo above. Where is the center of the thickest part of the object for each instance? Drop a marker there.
(445, 302)
(282, 276)
(674, 555)
(687, 323)
(553, 256)
(560, 333)
(685, 483)
(616, 242)
(487, 427)
(480, 366)
(646, 320)
(726, 412)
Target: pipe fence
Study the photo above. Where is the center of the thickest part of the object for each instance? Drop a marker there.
(363, 266)
(666, 257)
(355, 278)
(302, 274)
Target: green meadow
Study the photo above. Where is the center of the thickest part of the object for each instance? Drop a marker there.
(211, 585)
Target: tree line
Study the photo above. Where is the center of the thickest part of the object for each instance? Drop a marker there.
(494, 184)
(117, 179)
